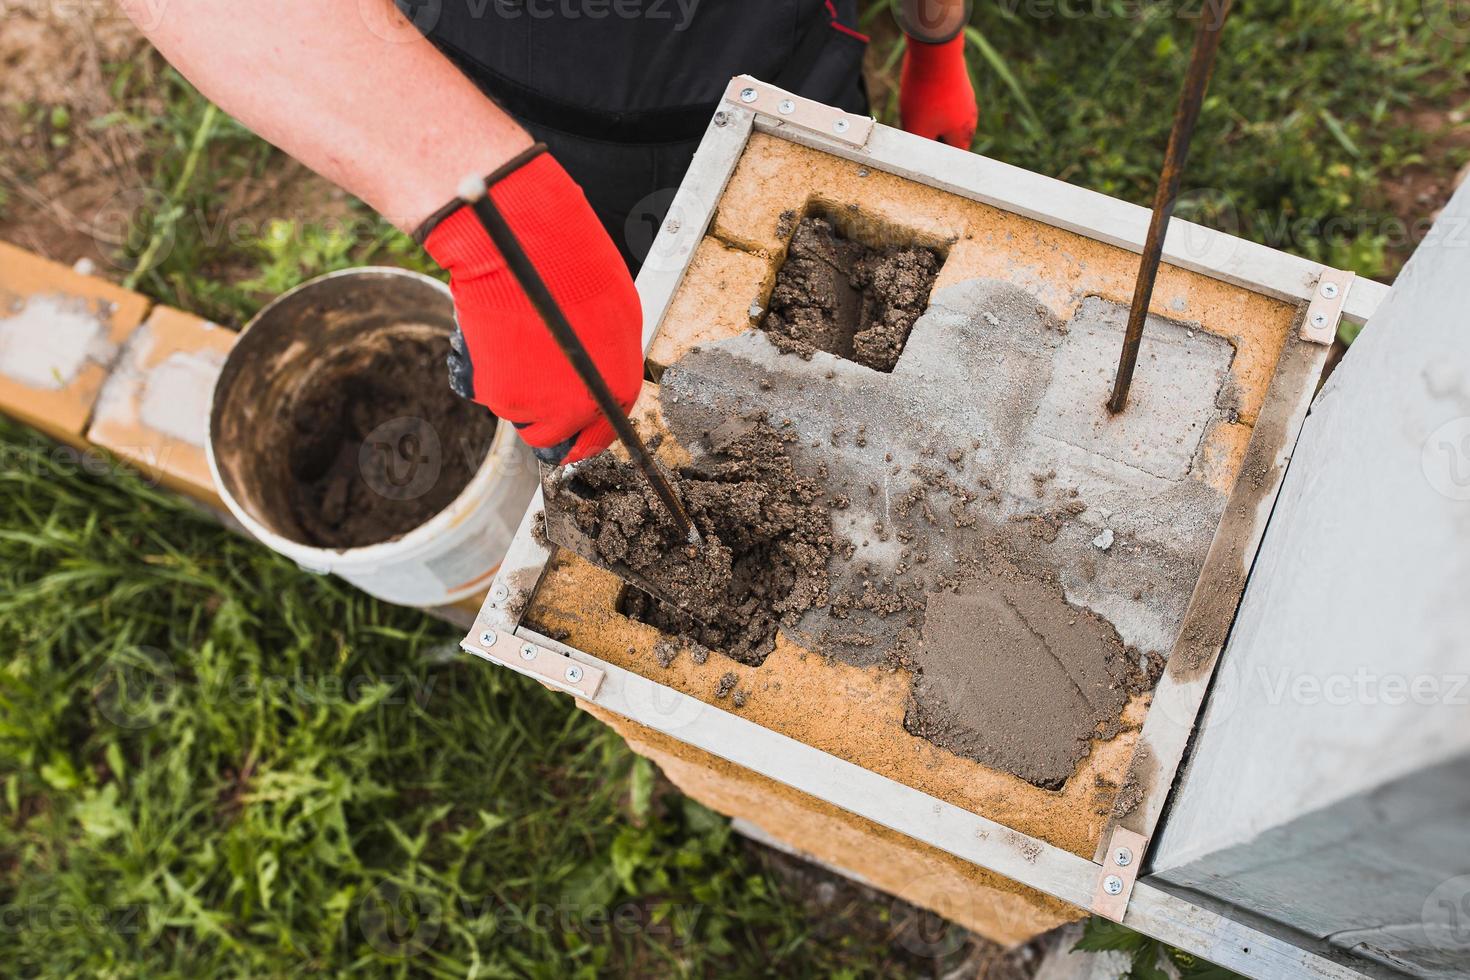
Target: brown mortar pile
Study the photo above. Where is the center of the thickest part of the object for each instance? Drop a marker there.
(767, 538)
(841, 296)
(424, 443)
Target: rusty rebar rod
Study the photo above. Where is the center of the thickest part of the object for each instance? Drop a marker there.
(1201, 63)
(472, 191)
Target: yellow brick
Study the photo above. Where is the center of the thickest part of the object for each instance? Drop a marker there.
(154, 408)
(59, 333)
(714, 300)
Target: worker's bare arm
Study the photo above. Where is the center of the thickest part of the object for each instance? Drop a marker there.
(348, 87)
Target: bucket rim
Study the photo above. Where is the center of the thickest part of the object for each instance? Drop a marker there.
(365, 271)
(503, 451)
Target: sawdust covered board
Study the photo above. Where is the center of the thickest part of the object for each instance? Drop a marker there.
(1036, 521)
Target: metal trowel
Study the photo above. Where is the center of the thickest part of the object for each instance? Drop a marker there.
(563, 531)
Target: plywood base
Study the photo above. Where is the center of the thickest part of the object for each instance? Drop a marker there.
(857, 714)
(984, 902)
(853, 713)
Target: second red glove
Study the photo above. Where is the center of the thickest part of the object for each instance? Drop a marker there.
(516, 368)
(936, 99)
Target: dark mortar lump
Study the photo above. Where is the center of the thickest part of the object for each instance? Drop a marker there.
(767, 537)
(426, 442)
(838, 295)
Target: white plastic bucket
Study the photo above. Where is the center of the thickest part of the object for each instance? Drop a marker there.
(450, 556)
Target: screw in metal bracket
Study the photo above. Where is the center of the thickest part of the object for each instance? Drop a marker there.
(1122, 857)
(722, 118)
(500, 593)
(748, 95)
(574, 673)
(1319, 320)
(528, 652)
(786, 107)
(1113, 885)
(1329, 289)
(841, 126)
(488, 638)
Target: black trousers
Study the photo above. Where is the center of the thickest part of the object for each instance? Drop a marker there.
(621, 91)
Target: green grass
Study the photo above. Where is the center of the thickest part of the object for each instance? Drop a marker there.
(1146, 957)
(214, 764)
(1301, 128)
(190, 239)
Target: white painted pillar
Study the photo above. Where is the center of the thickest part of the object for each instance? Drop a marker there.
(1329, 786)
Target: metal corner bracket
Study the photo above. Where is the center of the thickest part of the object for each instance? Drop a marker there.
(779, 104)
(1324, 312)
(536, 662)
(1117, 873)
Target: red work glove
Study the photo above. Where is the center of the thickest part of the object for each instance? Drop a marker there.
(506, 358)
(935, 97)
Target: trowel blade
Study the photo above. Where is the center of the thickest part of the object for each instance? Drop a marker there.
(562, 531)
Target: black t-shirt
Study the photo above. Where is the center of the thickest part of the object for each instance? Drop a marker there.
(641, 70)
(622, 90)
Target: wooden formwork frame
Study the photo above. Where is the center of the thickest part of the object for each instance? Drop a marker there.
(1109, 885)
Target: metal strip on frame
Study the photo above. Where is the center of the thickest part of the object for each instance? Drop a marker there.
(1119, 871)
(790, 109)
(913, 813)
(536, 662)
(1324, 312)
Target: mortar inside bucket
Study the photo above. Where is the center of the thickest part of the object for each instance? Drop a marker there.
(333, 428)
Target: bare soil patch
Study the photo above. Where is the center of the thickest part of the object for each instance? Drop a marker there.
(1418, 192)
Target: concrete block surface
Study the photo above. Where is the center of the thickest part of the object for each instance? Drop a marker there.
(1179, 378)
